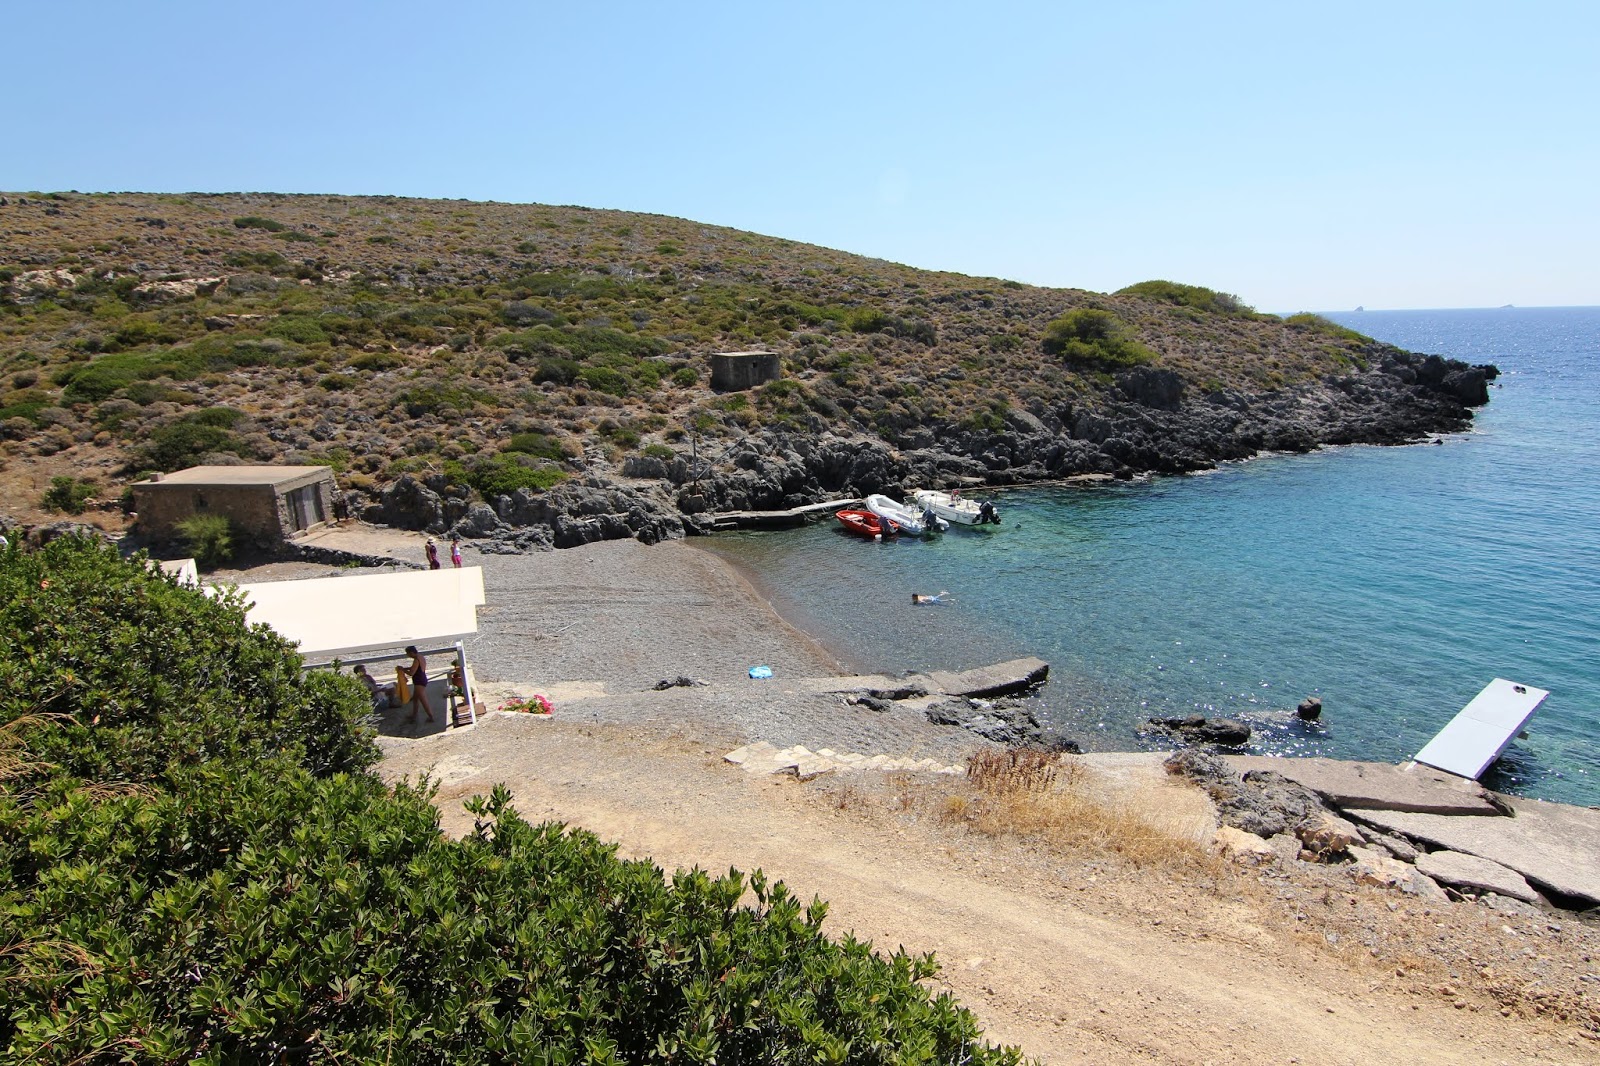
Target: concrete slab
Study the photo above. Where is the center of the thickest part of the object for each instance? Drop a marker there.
(1377, 786)
(1554, 846)
(1001, 679)
(1461, 870)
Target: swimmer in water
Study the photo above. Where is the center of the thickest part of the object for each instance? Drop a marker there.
(917, 599)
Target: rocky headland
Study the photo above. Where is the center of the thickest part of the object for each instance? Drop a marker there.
(533, 376)
(1148, 424)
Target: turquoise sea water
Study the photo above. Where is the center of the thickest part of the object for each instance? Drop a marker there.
(1392, 582)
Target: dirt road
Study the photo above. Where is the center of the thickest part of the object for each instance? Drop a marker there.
(1076, 958)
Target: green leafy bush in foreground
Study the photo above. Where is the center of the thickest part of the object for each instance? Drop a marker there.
(155, 675)
(247, 895)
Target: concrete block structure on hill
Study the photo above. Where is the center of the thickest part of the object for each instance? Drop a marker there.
(266, 504)
(736, 371)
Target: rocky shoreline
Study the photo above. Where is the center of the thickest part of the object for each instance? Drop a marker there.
(1149, 423)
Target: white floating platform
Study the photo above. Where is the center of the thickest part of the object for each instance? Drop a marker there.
(1476, 737)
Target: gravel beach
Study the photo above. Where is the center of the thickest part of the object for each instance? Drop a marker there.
(596, 628)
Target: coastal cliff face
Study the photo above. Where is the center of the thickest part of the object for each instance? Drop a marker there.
(540, 376)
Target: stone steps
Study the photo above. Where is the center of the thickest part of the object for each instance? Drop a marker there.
(763, 758)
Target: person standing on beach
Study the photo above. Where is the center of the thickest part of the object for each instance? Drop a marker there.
(419, 678)
(455, 551)
(433, 554)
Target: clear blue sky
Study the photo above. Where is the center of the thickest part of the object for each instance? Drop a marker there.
(1302, 156)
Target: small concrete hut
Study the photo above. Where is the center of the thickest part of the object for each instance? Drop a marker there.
(737, 371)
(267, 504)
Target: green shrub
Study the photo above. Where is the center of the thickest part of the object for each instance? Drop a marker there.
(685, 376)
(248, 912)
(105, 376)
(557, 370)
(604, 379)
(270, 261)
(191, 438)
(156, 676)
(375, 361)
(209, 538)
(301, 329)
(438, 399)
(68, 494)
(868, 320)
(1092, 335)
(337, 382)
(257, 222)
(660, 451)
(1317, 324)
(539, 445)
(1195, 296)
(504, 473)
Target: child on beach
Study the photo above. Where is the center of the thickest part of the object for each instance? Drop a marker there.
(455, 551)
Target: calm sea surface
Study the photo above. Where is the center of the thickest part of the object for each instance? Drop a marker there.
(1392, 582)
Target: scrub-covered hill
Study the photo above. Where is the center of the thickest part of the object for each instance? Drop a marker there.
(488, 348)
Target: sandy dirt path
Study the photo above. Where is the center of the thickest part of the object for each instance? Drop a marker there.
(1073, 963)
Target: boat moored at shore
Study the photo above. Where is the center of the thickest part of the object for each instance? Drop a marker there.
(955, 508)
(910, 521)
(865, 523)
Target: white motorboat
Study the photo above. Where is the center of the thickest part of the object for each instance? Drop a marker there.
(911, 521)
(956, 508)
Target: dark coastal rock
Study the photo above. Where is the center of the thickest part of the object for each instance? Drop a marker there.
(1309, 709)
(479, 521)
(1198, 729)
(1151, 421)
(1259, 802)
(1007, 722)
(1162, 389)
(408, 504)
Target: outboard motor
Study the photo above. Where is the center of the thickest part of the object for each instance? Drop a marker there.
(986, 513)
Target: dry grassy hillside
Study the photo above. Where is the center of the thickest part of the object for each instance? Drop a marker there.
(487, 341)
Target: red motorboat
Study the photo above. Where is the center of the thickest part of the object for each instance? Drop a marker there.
(865, 523)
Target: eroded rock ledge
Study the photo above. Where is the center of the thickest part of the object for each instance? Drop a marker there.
(1150, 422)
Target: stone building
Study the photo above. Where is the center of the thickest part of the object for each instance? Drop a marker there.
(736, 371)
(267, 504)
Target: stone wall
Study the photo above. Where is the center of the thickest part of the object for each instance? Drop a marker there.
(735, 371)
(262, 513)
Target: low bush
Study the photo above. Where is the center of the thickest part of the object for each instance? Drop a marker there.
(68, 494)
(376, 361)
(190, 438)
(209, 538)
(1195, 296)
(1318, 324)
(539, 445)
(1092, 335)
(504, 473)
(257, 222)
(438, 399)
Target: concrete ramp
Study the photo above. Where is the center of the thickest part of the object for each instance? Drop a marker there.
(1476, 737)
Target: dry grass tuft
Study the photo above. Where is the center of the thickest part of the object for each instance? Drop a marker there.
(1040, 796)
(15, 761)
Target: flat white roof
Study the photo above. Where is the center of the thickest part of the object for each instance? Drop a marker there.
(237, 475)
(1476, 736)
(336, 616)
